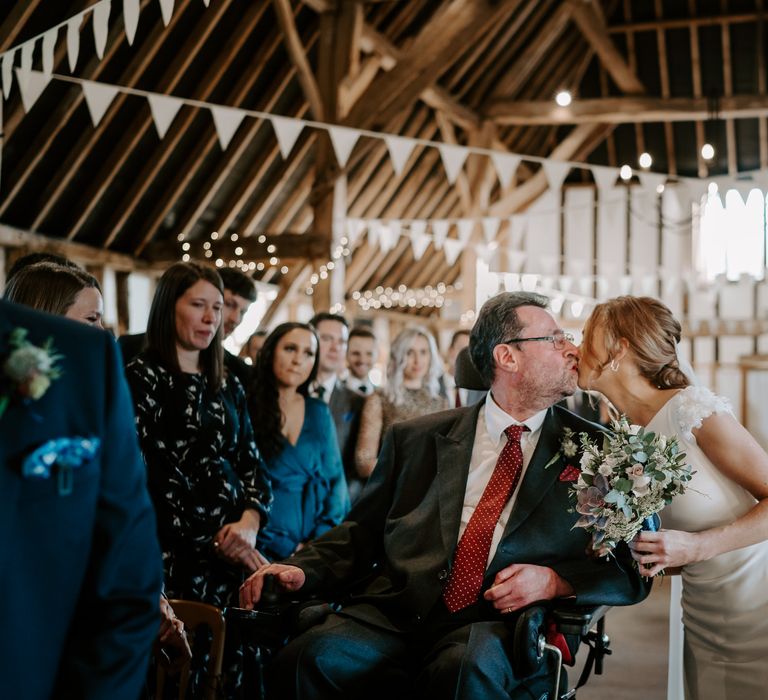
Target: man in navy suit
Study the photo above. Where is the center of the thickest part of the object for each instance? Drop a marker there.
(80, 571)
(431, 619)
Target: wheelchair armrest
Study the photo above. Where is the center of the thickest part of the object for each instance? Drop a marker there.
(577, 619)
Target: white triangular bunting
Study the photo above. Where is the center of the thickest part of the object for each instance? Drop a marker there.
(131, 19)
(453, 159)
(374, 233)
(206, 2)
(98, 97)
(226, 120)
(452, 248)
(101, 25)
(605, 177)
(650, 181)
(355, 228)
(419, 243)
(400, 149)
(166, 7)
(164, 109)
(287, 131)
(490, 228)
(73, 41)
(439, 232)
(418, 227)
(343, 140)
(506, 167)
(465, 228)
(49, 43)
(27, 49)
(7, 70)
(555, 171)
(388, 235)
(31, 86)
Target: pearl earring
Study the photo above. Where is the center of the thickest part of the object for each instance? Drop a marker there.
(614, 366)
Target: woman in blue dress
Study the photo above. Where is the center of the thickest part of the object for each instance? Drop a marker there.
(297, 439)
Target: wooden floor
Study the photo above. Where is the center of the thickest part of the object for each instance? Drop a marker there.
(637, 669)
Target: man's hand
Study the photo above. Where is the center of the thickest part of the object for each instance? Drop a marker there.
(291, 578)
(519, 585)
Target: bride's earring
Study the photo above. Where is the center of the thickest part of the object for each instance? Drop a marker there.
(614, 366)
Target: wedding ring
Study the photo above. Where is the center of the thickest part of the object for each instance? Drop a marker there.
(507, 611)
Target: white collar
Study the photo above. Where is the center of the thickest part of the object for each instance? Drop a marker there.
(497, 420)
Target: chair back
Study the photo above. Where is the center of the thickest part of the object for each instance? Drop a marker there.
(196, 615)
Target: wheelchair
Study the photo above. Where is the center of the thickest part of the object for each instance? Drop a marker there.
(276, 620)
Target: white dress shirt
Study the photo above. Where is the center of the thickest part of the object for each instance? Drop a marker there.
(489, 442)
(328, 386)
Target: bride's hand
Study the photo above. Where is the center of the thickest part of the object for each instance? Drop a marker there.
(664, 549)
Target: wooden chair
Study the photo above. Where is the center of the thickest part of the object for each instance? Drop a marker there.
(195, 615)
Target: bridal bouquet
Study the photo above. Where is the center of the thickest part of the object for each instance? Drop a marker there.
(627, 479)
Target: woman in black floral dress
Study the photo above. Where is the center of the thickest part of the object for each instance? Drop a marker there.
(204, 472)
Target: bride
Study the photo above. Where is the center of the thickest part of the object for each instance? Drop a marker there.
(716, 534)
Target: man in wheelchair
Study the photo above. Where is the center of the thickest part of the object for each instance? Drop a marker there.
(460, 528)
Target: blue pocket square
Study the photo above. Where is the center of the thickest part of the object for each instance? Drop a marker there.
(67, 453)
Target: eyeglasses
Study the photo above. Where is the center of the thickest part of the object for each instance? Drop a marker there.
(558, 339)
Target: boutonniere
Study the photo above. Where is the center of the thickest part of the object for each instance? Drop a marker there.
(569, 448)
(28, 370)
(66, 454)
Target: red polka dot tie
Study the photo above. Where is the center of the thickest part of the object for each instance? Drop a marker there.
(466, 578)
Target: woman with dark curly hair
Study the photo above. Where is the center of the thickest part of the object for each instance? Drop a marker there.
(296, 437)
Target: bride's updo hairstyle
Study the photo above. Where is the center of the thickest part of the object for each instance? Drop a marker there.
(651, 331)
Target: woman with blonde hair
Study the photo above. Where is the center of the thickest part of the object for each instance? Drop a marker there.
(413, 389)
(716, 533)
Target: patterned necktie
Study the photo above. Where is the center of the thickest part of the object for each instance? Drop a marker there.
(471, 558)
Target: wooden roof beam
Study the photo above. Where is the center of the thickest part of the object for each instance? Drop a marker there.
(689, 22)
(625, 110)
(593, 27)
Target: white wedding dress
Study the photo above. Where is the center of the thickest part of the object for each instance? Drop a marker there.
(725, 599)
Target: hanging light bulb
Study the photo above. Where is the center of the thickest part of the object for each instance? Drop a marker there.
(563, 98)
(625, 172)
(645, 160)
(707, 151)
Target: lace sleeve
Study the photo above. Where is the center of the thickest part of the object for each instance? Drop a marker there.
(694, 405)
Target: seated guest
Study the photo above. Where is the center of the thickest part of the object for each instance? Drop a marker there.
(58, 289)
(413, 389)
(296, 437)
(361, 354)
(457, 396)
(204, 472)
(345, 404)
(250, 350)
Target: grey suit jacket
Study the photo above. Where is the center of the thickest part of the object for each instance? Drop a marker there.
(346, 407)
(401, 535)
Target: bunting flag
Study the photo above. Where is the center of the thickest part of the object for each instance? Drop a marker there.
(164, 110)
(517, 227)
(419, 243)
(451, 249)
(465, 228)
(555, 171)
(343, 140)
(73, 41)
(388, 235)
(49, 42)
(453, 159)
(374, 232)
(98, 97)
(226, 120)
(287, 132)
(651, 181)
(7, 70)
(101, 25)
(605, 178)
(355, 228)
(166, 7)
(439, 232)
(417, 227)
(506, 167)
(400, 149)
(485, 252)
(131, 19)
(490, 228)
(31, 87)
(27, 49)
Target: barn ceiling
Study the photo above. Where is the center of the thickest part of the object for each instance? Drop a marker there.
(656, 76)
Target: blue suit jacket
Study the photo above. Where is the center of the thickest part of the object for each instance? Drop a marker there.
(80, 574)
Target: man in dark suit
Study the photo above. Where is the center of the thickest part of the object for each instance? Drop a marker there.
(80, 571)
(345, 405)
(450, 540)
(427, 619)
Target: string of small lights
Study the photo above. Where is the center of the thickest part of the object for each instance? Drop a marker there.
(404, 297)
(341, 251)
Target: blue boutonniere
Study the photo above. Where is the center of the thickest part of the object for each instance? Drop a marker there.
(28, 370)
(66, 454)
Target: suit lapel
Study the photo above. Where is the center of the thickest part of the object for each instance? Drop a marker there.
(537, 480)
(454, 452)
